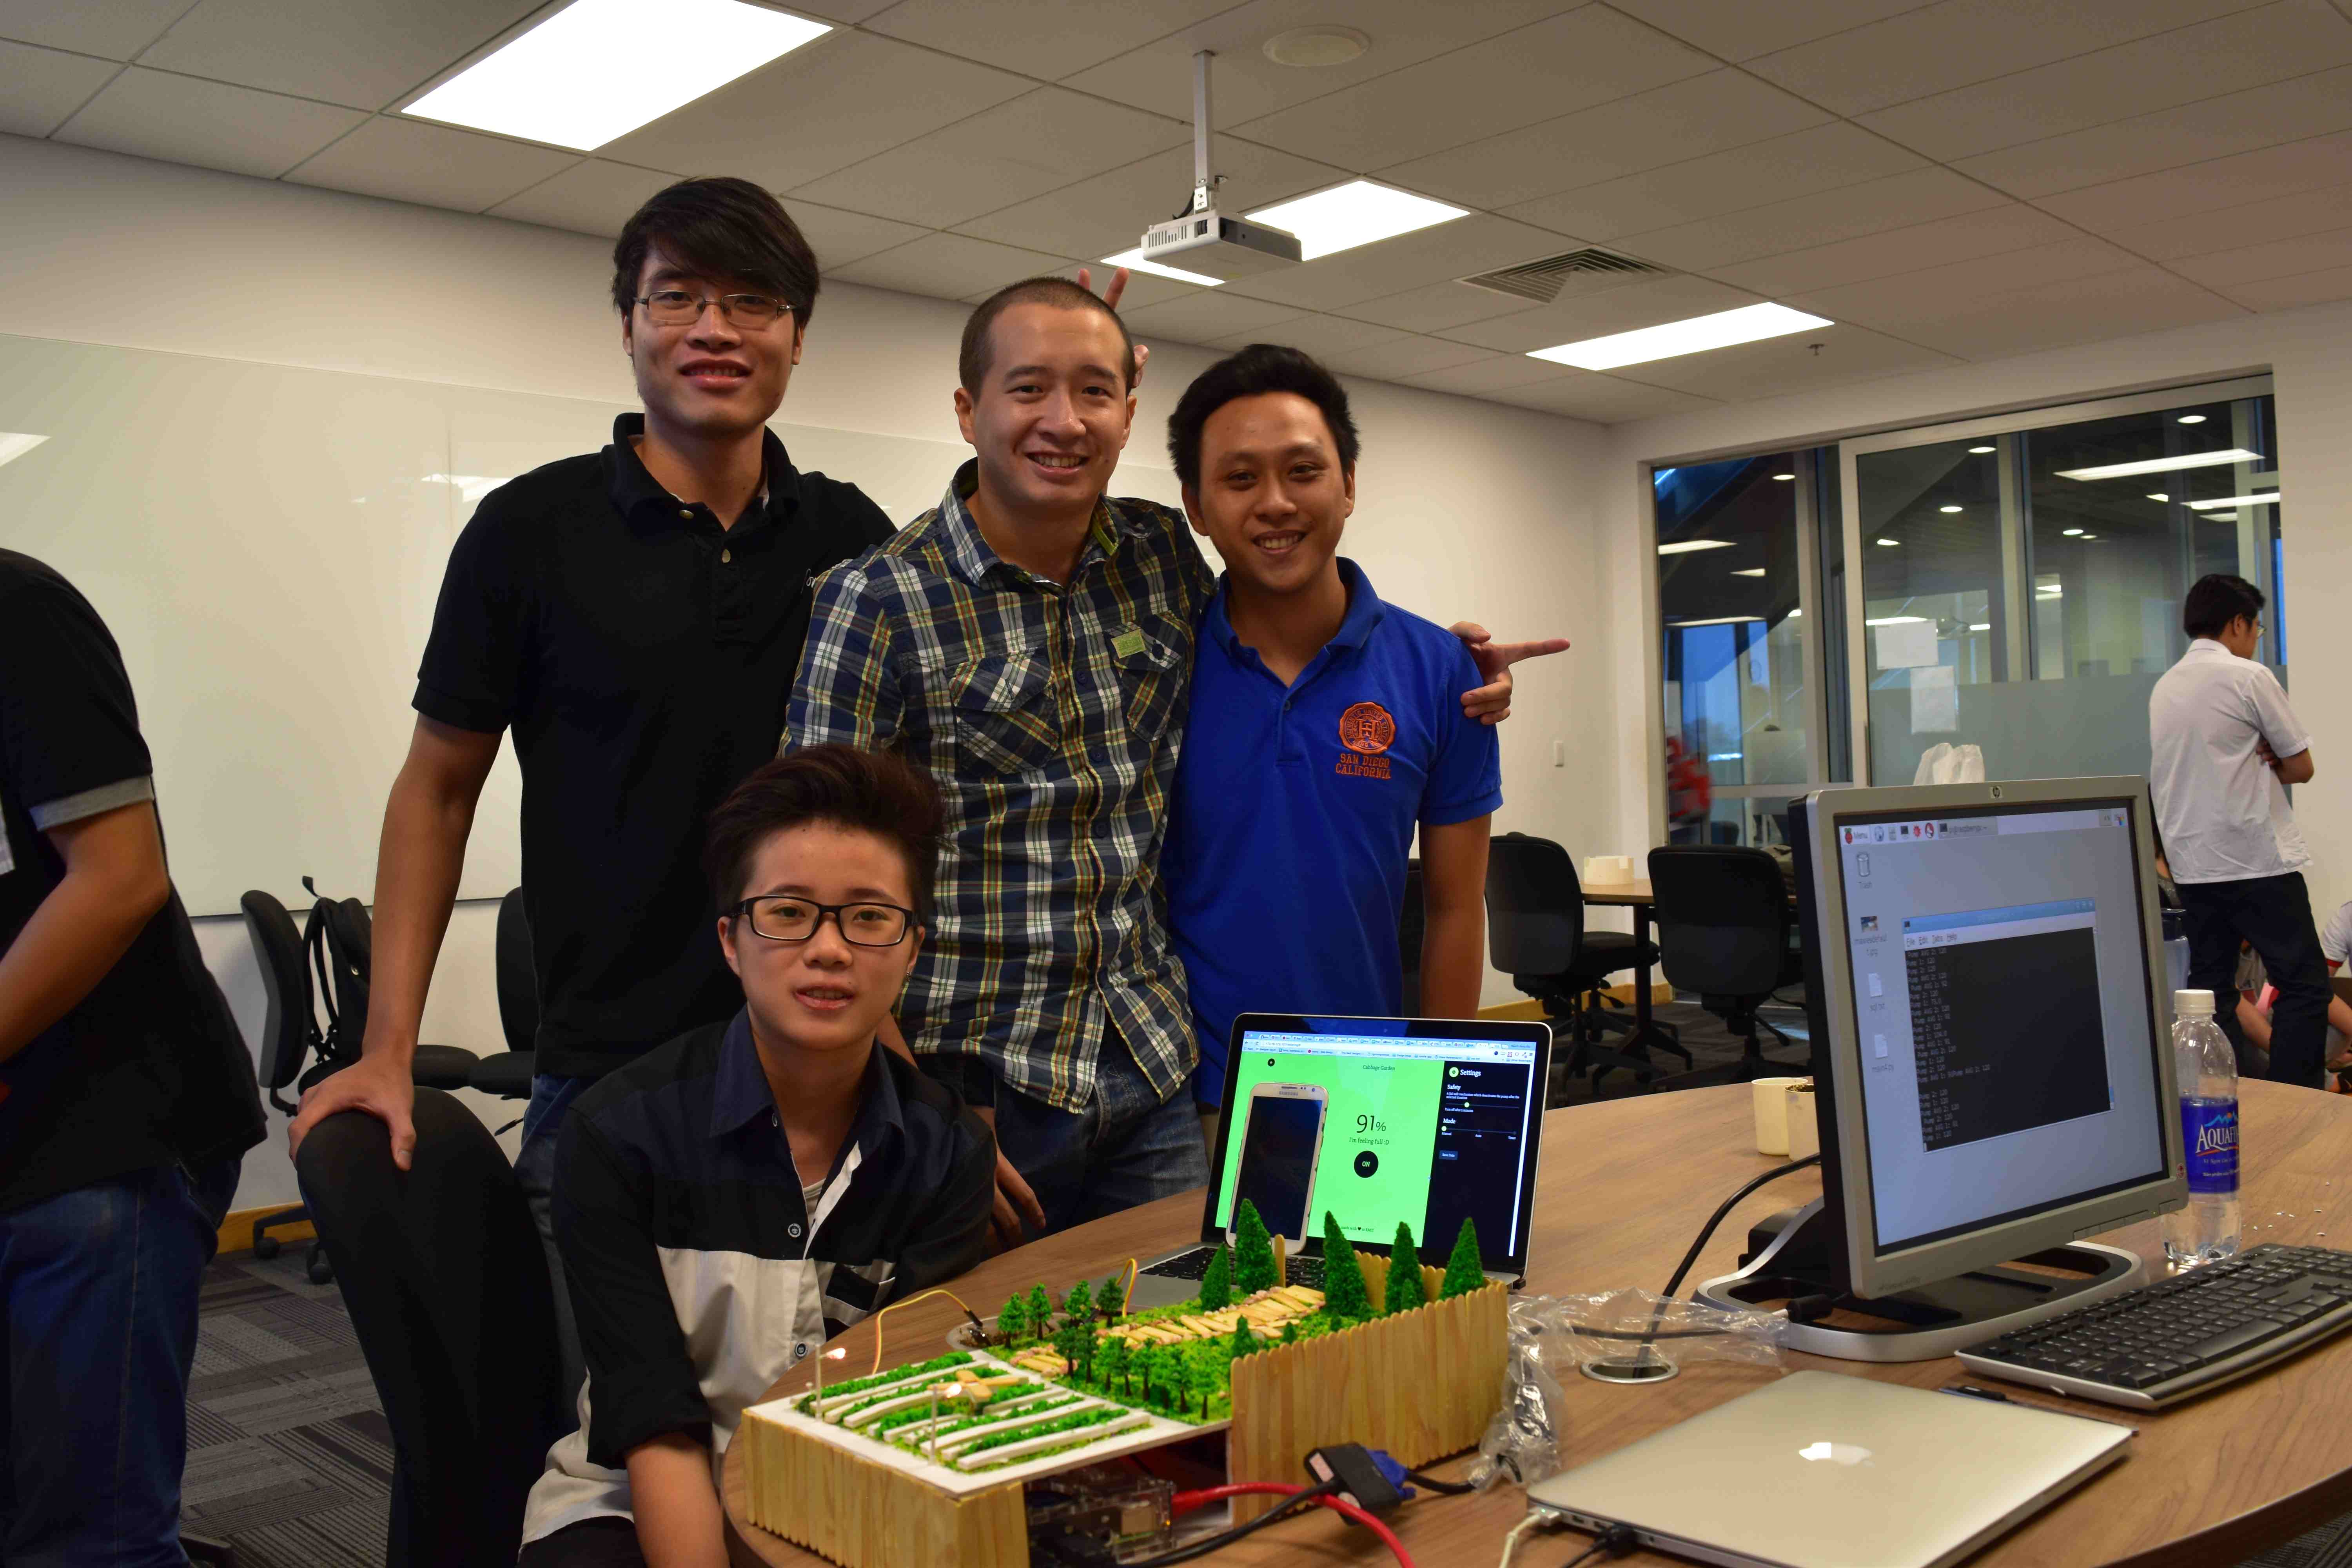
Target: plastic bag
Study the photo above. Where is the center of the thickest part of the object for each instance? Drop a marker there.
(1943, 763)
(1552, 1337)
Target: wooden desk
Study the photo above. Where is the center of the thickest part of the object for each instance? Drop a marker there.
(1624, 1186)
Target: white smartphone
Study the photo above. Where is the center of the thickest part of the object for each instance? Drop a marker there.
(1282, 1140)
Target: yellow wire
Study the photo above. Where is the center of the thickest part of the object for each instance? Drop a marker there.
(1127, 1299)
(909, 1301)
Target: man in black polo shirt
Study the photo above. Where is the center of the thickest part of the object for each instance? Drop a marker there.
(635, 618)
(126, 1102)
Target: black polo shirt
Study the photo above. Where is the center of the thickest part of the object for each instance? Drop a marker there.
(149, 1070)
(643, 657)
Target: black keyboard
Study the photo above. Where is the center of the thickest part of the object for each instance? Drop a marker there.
(2182, 1336)
(1195, 1265)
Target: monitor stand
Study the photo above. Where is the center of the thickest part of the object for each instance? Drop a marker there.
(1788, 1257)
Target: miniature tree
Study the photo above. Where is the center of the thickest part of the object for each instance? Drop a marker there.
(1244, 1340)
(1464, 1271)
(1345, 1294)
(1405, 1290)
(1110, 1364)
(1290, 1332)
(1040, 1311)
(1078, 1306)
(1012, 1323)
(1073, 1342)
(1217, 1283)
(1110, 1299)
(1254, 1269)
(1152, 1361)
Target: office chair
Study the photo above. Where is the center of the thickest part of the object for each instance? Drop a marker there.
(1535, 934)
(1724, 926)
(442, 1272)
(345, 960)
(289, 1032)
(508, 1073)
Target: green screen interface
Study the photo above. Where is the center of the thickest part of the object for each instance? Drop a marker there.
(1429, 1132)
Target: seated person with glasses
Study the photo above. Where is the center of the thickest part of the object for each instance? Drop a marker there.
(729, 1201)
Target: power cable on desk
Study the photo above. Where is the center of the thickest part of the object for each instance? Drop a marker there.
(1299, 1498)
(1706, 1230)
(1616, 1541)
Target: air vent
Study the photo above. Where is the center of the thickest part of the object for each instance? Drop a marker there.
(1545, 281)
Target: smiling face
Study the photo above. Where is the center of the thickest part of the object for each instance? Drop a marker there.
(824, 993)
(1051, 413)
(709, 380)
(1273, 496)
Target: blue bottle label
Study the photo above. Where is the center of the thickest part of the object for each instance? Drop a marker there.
(2209, 1135)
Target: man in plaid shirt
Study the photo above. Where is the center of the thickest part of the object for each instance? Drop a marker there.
(1030, 641)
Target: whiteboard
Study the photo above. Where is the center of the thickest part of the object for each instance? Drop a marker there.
(267, 544)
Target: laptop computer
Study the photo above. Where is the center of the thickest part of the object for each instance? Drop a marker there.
(1427, 1121)
(1836, 1472)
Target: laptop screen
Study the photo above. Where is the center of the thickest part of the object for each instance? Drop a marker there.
(1381, 1120)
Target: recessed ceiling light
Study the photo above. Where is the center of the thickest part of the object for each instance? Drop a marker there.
(590, 73)
(2158, 495)
(2220, 517)
(1717, 621)
(1356, 212)
(2192, 419)
(1980, 451)
(1890, 542)
(1750, 572)
(1748, 324)
(1784, 476)
(1685, 546)
(2070, 533)
(1895, 621)
(1948, 508)
(1311, 46)
(1133, 261)
(2163, 465)
(1979, 626)
(2268, 497)
(16, 444)
(2090, 536)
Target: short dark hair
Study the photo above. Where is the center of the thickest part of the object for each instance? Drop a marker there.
(869, 792)
(723, 227)
(2216, 599)
(1257, 369)
(972, 357)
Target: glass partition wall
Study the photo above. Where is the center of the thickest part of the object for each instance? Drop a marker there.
(2012, 583)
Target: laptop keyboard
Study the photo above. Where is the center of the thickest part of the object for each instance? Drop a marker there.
(1195, 1265)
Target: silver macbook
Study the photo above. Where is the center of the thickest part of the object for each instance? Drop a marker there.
(1373, 1120)
(1825, 1470)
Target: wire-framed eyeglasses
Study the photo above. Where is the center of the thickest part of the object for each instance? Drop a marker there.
(678, 308)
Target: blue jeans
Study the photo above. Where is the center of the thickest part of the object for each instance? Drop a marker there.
(551, 1102)
(98, 1288)
(1127, 1147)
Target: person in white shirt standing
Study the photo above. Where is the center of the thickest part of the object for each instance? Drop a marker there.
(2225, 746)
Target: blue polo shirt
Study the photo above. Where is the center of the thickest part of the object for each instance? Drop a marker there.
(1294, 813)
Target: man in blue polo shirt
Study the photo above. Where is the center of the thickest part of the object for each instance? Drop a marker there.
(1325, 726)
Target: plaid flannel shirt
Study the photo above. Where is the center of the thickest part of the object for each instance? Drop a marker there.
(1051, 718)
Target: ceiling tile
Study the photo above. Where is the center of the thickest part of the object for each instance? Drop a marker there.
(1143, 288)
(2079, 309)
(1887, 302)
(1109, 213)
(1821, 158)
(1993, 232)
(116, 29)
(593, 196)
(38, 88)
(1436, 306)
(1571, 320)
(1919, 196)
(1603, 399)
(2231, 228)
(1688, 119)
(1159, 76)
(1587, 56)
(948, 267)
(2278, 258)
(1204, 316)
(2271, 43)
(362, 53)
(1961, 42)
(2173, 194)
(839, 238)
(1036, 37)
(2235, 122)
(2289, 293)
(433, 165)
(846, 97)
(1321, 336)
(1454, 249)
(1781, 365)
(1407, 356)
(1008, 153)
(1742, 29)
(182, 120)
(1481, 376)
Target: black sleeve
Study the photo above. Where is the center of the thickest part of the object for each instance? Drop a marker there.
(955, 1233)
(641, 1381)
(472, 673)
(68, 726)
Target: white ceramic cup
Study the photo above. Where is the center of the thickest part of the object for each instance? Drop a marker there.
(1772, 1113)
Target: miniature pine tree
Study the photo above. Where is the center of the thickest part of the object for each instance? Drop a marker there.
(1078, 1306)
(1040, 1311)
(1217, 1283)
(1245, 1339)
(1290, 1332)
(1111, 1364)
(1464, 1270)
(1405, 1290)
(1253, 1268)
(1345, 1294)
(1012, 1323)
(1110, 1299)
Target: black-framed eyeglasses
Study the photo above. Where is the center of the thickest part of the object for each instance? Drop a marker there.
(677, 308)
(781, 918)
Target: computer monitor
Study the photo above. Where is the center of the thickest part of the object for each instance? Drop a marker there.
(1994, 1071)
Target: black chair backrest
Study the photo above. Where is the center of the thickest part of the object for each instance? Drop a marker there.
(343, 945)
(1723, 918)
(1535, 906)
(290, 1029)
(448, 1289)
(517, 976)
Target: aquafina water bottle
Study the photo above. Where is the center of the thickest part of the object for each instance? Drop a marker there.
(2210, 1227)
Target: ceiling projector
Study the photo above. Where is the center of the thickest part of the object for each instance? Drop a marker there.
(1203, 239)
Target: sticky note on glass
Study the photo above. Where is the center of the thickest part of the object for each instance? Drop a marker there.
(1935, 701)
(1906, 646)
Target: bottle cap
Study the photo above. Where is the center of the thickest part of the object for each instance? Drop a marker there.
(2192, 1004)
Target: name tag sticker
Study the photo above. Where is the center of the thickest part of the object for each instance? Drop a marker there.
(1128, 643)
